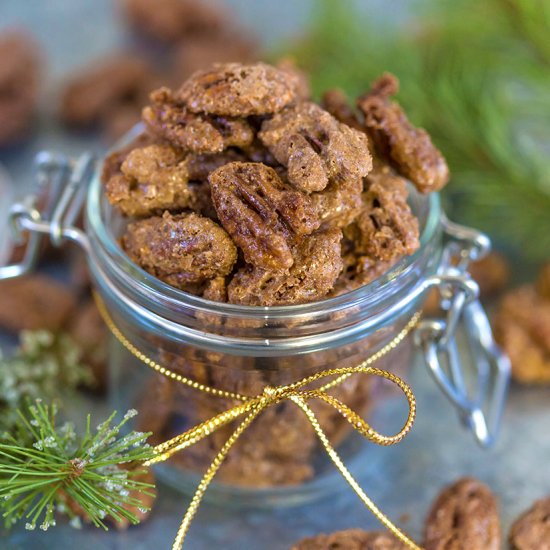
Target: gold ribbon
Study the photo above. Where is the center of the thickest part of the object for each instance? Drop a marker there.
(251, 407)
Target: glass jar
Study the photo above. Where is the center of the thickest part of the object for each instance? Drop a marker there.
(243, 349)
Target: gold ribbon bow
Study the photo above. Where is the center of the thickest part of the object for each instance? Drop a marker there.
(251, 407)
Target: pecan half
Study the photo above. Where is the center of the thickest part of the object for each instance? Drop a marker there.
(260, 212)
(316, 266)
(169, 118)
(465, 515)
(151, 179)
(315, 147)
(351, 539)
(532, 529)
(180, 249)
(386, 229)
(238, 90)
(410, 150)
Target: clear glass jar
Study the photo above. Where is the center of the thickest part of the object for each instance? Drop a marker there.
(243, 349)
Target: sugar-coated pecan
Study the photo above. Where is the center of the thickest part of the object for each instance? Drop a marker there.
(171, 20)
(465, 515)
(216, 290)
(180, 249)
(238, 90)
(315, 147)
(119, 80)
(531, 531)
(522, 328)
(409, 149)
(260, 212)
(543, 281)
(359, 270)
(169, 118)
(386, 229)
(336, 103)
(201, 51)
(303, 89)
(113, 161)
(317, 262)
(34, 302)
(19, 85)
(200, 165)
(151, 179)
(351, 539)
(340, 203)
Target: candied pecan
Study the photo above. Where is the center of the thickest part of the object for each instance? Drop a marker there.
(155, 404)
(34, 302)
(113, 161)
(315, 147)
(200, 165)
(288, 64)
(19, 80)
(531, 531)
(491, 273)
(543, 281)
(522, 327)
(119, 120)
(359, 271)
(259, 211)
(340, 203)
(202, 51)
(170, 20)
(88, 330)
(216, 290)
(238, 90)
(116, 81)
(409, 149)
(152, 179)
(336, 103)
(351, 539)
(465, 515)
(316, 266)
(180, 249)
(169, 118)
(386, 229)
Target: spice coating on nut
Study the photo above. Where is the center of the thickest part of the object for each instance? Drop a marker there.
(260, 212)
(237, 90)
(180, 249)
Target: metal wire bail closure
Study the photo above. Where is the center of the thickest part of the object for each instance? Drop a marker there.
(478, 392)
(63, 182)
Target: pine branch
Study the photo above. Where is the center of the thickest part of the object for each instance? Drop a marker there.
(92, 477)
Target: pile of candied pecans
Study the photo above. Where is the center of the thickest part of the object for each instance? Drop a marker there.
(243, 190)
(464, 515)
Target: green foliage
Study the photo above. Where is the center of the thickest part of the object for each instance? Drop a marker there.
(476, 75)
(58, 472)
(44, 366)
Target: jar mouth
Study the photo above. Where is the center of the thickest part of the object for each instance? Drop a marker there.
(97, 222)
(379, 300)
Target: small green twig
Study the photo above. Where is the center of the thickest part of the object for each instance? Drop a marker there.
(57, 472)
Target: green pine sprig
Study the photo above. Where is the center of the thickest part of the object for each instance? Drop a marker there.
(90, 477)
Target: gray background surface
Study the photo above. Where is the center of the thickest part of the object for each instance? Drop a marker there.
(402, 480)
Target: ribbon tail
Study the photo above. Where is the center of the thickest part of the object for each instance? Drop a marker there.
(209, 476)
(346, 474)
